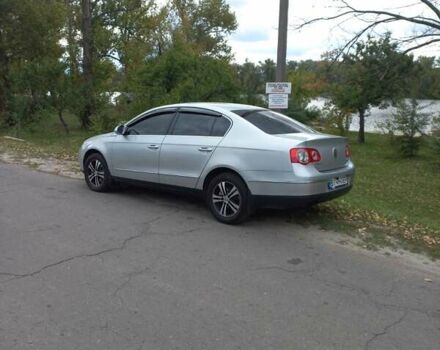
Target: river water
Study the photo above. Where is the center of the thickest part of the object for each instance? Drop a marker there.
(377, 115)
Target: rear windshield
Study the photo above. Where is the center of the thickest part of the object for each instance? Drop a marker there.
(273, 123)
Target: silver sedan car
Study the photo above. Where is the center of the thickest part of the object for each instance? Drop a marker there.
(239, 157)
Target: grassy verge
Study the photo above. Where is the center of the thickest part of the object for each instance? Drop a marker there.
(47, 139)
(393, 199)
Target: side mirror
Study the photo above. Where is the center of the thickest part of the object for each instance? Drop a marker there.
(121, 130)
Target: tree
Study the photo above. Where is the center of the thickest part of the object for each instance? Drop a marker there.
(182, 75)
(267, 70)
(23, 51)
(250, 82)
(305, 86)
(61, 90)
(423, 14)
(131, 26)
(88, 59)
(426, 82)
(408, 122)
(370, 76)
(204, 25)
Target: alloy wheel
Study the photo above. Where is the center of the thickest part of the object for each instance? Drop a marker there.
(95, 173)
(226, 199)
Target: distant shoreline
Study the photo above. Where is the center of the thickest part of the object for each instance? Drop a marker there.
(376, 115)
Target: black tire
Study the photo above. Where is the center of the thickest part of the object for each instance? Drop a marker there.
(228, 198)
(96, 173)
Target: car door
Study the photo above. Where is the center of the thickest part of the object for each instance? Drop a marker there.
(189, 145)
(136, 155)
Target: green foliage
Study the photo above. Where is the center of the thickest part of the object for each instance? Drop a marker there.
(178, 52)
(408, 123)
(426, 79)
(135, 45)
(435, 139)
(182, 75)
(334, 117)
(203, 25)
(106, 120)
(298, 110)
(128, 31)
(251, 83)
(30, 34)
(375, 72)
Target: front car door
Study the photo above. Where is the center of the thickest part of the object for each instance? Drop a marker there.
(136, 155)
(189, 145)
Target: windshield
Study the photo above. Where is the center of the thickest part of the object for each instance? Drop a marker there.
(273, 123)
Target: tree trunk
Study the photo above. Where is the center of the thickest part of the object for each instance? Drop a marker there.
(72, 47)
(2, 101)
(87, 64)
(63, 122)
(361, 134)
(5, 88)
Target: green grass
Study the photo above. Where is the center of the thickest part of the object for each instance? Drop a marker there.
(50, 138)
(392, 186)
(392, 196)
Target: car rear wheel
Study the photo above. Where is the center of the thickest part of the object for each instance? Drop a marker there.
(96, 173)
(228, 198)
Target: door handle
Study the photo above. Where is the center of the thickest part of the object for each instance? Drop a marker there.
(205, 149)
(153, 147)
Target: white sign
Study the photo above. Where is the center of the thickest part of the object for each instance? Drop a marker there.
(278, 101)
(278, 88)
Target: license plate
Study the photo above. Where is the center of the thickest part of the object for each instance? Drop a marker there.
(338, 182)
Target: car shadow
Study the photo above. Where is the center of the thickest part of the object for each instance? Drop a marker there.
(189, 199)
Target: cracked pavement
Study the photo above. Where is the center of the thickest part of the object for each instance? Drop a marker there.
(139, 269)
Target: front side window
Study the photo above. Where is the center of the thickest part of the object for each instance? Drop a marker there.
(273, 123)
(194, 124)
(157, 124)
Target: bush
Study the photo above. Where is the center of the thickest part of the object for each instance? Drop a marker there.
(406, 126)
(107, 120)
(435, 138)
(335, 117)
(298, 110)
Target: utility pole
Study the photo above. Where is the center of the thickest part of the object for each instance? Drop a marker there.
(282, 41)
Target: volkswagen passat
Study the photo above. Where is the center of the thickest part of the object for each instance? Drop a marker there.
(240, 157)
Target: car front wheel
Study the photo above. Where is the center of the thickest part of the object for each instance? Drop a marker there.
(96, 173)
(228, 198)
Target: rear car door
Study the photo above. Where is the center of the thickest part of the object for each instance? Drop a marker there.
(189, 145)
(136, 155)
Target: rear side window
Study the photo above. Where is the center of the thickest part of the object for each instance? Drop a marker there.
(194, 124)
(221, 125)
(157, 124)
(273, 123)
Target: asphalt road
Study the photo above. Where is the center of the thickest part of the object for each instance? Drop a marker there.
(144, 270)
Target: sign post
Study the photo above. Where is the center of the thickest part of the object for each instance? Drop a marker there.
(278, 95)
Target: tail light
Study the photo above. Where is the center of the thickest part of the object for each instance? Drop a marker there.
(304, 155)
(347, 151)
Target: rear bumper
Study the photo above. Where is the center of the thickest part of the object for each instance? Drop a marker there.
(266, 201)
(294, 190)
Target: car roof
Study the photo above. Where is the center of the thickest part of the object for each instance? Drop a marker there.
(216, 106)
(220, 107)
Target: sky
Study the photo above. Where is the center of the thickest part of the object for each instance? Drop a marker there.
(256, 36)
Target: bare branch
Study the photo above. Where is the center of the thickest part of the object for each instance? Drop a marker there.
(426, 43)
(320, 19)
(432, 6)
(416, 20)
(373, 18)
(413, 38)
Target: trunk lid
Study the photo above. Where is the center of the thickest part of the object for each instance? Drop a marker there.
(331, 148)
